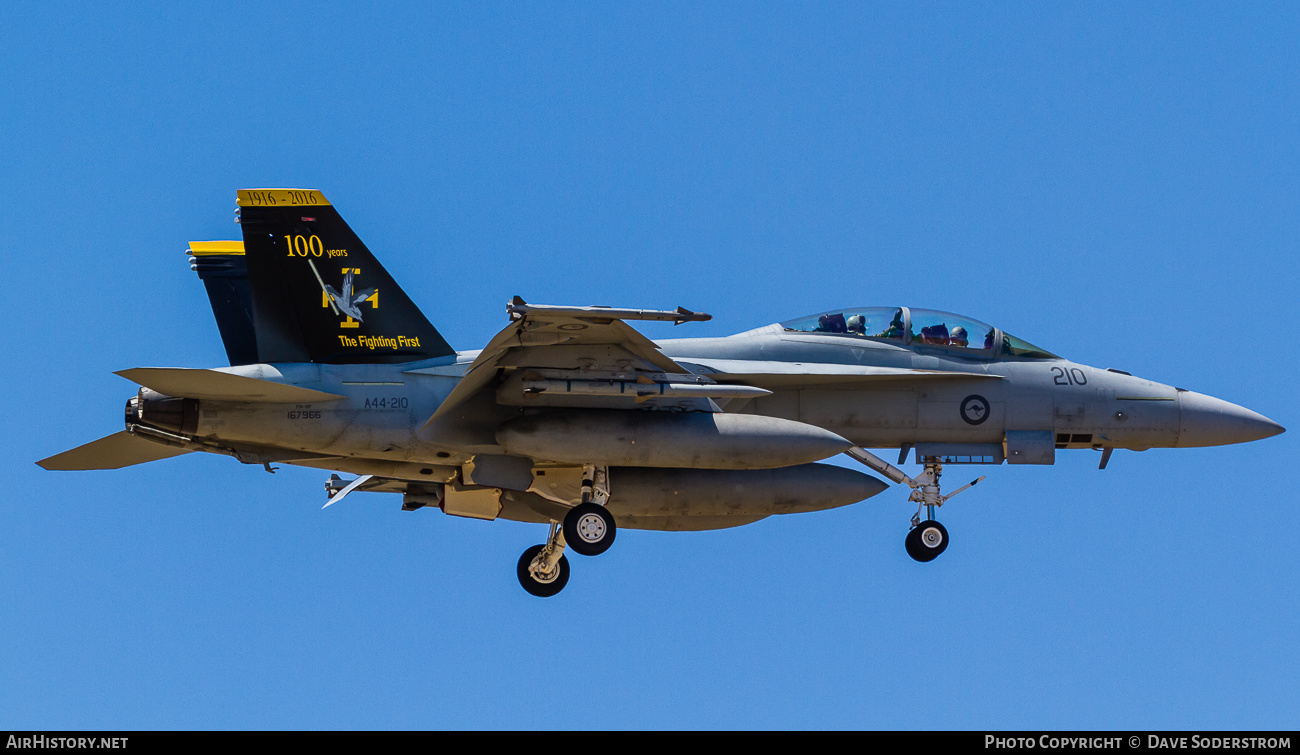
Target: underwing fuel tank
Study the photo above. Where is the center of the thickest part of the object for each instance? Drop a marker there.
(693, 440)
(725, 492)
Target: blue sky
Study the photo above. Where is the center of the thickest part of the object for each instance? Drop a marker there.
(1115, 182)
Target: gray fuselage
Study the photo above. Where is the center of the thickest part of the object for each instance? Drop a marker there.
(995, 402)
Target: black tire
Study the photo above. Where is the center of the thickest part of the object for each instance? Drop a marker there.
(589, 529)
(542, 589)
(926, 541)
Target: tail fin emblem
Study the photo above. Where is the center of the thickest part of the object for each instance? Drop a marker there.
(346, 302)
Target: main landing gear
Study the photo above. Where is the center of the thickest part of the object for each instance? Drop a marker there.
(588, 528)
(926, 539)
(543, 570)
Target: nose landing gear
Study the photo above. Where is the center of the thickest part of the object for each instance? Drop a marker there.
(927, 539)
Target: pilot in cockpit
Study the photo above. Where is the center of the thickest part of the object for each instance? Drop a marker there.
(831, 323)
(895, 329)
(935, 335)
(957, 337)
(858, 324)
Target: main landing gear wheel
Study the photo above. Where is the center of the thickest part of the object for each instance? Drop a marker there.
(542, 585)
(926, 541)
(589, 529)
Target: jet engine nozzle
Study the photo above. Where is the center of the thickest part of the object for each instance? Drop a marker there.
(154, 409)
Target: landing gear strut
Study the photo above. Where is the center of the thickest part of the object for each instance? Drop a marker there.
(927, 539)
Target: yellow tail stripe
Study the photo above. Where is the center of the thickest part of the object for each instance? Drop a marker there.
(206, 248)
(282, 198)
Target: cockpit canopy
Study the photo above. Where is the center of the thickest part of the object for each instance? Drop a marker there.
(919, 327)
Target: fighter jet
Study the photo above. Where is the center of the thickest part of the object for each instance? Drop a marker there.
(572, 419)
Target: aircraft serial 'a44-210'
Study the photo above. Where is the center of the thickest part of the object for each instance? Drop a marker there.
(569, 417)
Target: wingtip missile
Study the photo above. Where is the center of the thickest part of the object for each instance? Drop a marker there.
(519, 308)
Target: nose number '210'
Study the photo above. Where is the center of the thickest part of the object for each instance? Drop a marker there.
(1072, 376)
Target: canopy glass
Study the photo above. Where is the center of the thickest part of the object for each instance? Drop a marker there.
(919, 327)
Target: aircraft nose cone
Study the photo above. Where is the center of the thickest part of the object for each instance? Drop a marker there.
(1208, 421)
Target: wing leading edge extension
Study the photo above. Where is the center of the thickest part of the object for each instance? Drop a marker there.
(795, 375)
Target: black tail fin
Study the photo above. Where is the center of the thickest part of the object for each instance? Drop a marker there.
(220, 265)
(318, 295)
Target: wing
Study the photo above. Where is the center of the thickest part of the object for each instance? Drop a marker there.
(590, 344)
(358, 298)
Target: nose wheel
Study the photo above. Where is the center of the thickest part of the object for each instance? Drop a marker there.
(926, 541)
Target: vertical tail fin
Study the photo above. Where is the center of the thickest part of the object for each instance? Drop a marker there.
(317, 293)
(221, 267)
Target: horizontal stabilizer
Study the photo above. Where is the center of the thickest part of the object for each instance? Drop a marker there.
(113, 452)
(221, 386)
